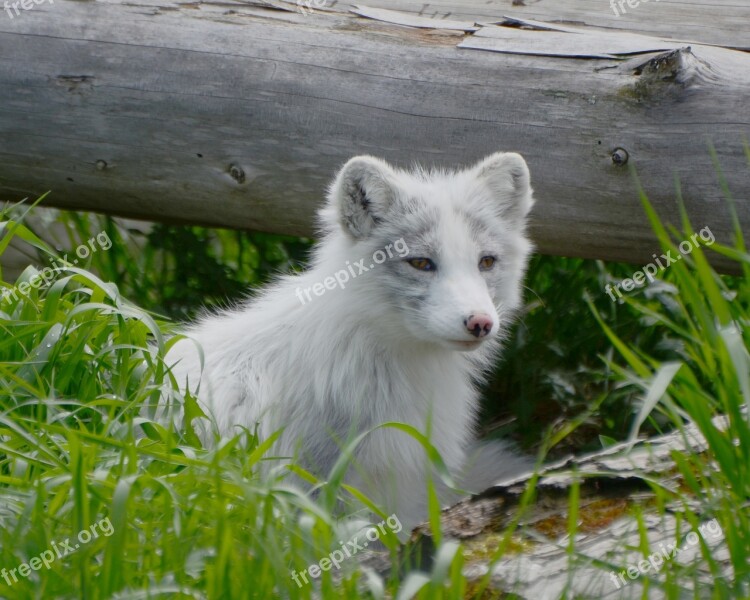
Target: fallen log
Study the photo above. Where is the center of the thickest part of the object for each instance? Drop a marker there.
(236, 114)
(605, 559)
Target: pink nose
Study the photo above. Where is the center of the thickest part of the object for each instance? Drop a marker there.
(479, 325)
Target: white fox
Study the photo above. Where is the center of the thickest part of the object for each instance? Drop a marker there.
(434, 263)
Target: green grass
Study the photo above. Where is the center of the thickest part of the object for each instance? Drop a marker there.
(79, 359)
(708, 375)
(77, 364)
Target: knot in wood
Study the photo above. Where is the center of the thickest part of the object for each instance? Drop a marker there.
(620, 156)
(237, 173)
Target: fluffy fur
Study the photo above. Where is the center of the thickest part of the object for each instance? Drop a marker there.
(396, 344)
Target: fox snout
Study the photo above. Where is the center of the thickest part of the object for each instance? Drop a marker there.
(479, 325)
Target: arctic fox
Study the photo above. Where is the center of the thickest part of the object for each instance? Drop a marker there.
(413, 284)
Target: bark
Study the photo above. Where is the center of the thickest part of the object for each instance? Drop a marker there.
(614, 485)
(237, 113)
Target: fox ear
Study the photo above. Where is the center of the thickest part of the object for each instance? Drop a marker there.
(363, 193)
(507, 176)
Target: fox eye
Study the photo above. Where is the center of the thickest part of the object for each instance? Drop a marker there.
(486, 263)
(423, 264)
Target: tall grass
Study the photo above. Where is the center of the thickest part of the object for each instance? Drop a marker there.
(76, 363)
(79, 361)
(705, 319)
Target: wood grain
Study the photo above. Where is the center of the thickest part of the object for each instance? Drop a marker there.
(238, 113)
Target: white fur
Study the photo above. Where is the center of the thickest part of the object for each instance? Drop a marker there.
(387, 347)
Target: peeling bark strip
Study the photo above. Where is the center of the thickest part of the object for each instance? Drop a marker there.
(237, 113)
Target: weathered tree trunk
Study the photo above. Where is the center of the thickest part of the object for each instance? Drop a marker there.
(237, 113)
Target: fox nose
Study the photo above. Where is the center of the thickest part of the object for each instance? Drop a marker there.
(479, 325)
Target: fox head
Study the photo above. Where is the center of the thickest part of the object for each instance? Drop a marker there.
(458, 280)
